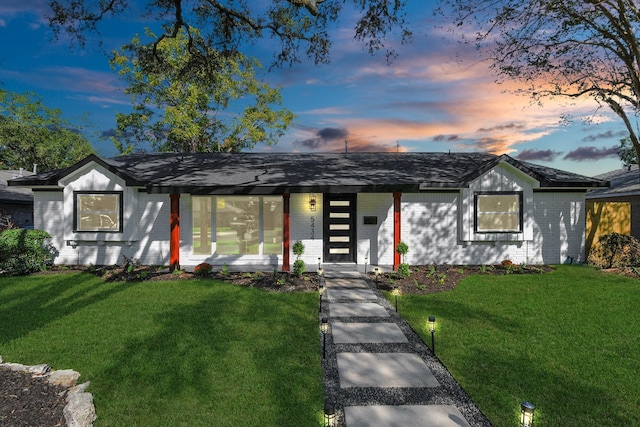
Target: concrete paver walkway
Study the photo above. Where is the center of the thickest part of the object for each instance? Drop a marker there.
(378, 372)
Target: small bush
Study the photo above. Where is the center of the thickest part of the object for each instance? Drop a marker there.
(615, 250)
(299, 267)
(203, 269)
(25, 251)
(403, 270)
(402, 249)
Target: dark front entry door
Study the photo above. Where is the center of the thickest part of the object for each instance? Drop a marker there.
(339, 227)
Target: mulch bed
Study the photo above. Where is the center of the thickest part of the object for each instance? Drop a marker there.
(30, 401)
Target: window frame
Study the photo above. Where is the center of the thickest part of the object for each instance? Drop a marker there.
(260, 219)
(120, 210)
(476, 222)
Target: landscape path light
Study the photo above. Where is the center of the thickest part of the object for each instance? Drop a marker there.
(324, 328)
(366, 259)
(396, 292)
(376, 271)
(432, 329)
(527, 410)
(329, 415)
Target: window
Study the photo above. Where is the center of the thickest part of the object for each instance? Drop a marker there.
(498, 212)
(95, 211)
(201, 225)
(244, 225)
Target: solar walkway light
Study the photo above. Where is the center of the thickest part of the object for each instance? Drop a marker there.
(432, 329)
(396, 292)
(324, 328)
(329, 415)
(527, 410)
(376, 271)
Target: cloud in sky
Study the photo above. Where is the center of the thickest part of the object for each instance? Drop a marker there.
(608, 135)
(323, 138)
(532, 155)
(582, 154)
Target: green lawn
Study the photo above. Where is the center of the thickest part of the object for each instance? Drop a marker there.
(567, 341)
(186, 353)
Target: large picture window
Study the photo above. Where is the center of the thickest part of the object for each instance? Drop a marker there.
(98, 211)
(201, 225)
(498, 212)
(244, 225)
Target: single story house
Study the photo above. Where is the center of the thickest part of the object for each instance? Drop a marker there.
(614, 209)
(16, 204)
(248, 209)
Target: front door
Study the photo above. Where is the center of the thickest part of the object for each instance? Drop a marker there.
(339, 228)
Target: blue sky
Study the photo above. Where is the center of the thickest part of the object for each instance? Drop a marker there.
(426, 100)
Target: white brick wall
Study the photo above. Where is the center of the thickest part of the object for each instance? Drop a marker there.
(375, 241)
(437, 226)
(307, 226)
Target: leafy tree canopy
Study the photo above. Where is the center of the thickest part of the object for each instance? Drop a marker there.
(183, 102)
(568, 48)
(31, 133)
(627, 153)
(230, 25)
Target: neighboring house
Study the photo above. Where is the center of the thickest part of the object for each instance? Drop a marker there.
(615, 209)
(248, 209)
(16, 204)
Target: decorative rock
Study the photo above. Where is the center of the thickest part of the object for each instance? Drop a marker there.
(39, 370)
(65, 378)
(80, 388)
(80, 411)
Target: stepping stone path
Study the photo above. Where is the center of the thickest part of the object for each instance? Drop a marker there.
(377, 371)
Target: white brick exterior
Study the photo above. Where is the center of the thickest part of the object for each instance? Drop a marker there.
(438, 225)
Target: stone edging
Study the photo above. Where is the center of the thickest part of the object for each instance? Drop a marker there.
(79, 411)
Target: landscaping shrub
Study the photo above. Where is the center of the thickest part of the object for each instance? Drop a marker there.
(203, 269)
(298, 266)
(25, 251)
(615, 250)
(403, 268)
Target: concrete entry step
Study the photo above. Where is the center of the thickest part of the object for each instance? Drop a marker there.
(384, 370)
(357, 294)
(404, 416)
(357, 309)
(352, 333)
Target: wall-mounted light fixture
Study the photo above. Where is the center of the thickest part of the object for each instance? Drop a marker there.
(312, 202)
(526, 414)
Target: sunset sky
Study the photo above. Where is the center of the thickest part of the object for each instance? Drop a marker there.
(434, 97)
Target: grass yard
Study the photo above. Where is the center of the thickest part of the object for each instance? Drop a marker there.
(567, 341)
(190, 353)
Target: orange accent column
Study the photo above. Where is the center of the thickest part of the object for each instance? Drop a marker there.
(396, 228)
(174, 241)
(286, 243)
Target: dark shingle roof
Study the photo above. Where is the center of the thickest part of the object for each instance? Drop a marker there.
(623, 182)
(272, 173)
(22, 196)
